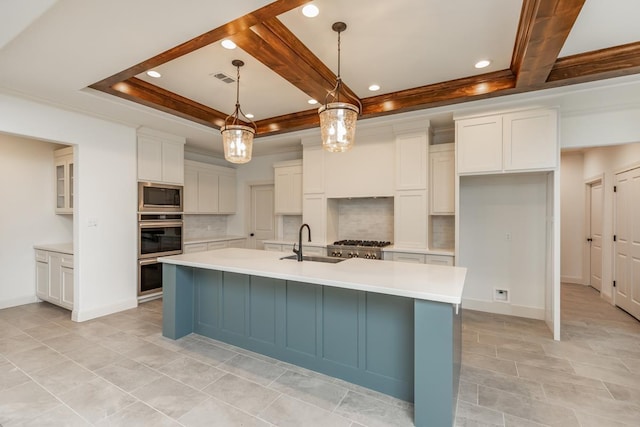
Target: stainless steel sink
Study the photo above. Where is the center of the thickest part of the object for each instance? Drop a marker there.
(316, 258)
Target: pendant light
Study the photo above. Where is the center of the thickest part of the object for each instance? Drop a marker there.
(338, 119)
(237, 138)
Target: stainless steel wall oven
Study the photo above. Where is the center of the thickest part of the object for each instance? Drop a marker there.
(158, 235)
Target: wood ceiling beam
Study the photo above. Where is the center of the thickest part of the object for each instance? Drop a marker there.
(445, 93)
(273, 44)
(543, 29)
(227, 30)
(136, 90)
(596, 65)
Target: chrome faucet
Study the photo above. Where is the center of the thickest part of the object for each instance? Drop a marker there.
(298, 251)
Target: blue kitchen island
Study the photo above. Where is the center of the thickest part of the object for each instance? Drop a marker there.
(389, 326)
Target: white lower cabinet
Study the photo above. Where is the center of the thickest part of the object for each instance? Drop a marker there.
(439, 260)
(273, 247)
(237, 243)
(313, 250)
(54, 278)
(42, 279)
(190, 248)
(418, 258)
(212, 246)
(408, 257)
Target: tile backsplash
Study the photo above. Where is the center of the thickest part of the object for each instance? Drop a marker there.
(204, 226)
(290, 227)
(442, 232)
(365, 218)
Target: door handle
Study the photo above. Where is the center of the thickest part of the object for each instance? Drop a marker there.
(252, 234)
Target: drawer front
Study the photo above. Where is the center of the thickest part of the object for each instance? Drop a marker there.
(440, 260)
(216, 245)
(273, 247)
(238, 243)
(67, 261)
(42, 256)
(408, 257)
(194, 247)
(313, 250)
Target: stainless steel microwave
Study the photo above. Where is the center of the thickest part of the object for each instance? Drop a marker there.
(154, 197)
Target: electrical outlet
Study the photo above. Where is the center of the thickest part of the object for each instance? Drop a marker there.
(501, 295)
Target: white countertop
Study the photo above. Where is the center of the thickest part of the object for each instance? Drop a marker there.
(420, 281)
(64, 248)
(212, 239)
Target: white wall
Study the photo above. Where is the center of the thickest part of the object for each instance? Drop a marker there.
(105, 270)
(572, 205)
(503, 242)
(27, 186)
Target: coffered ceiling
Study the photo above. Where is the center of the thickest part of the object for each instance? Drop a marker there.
(421, 53)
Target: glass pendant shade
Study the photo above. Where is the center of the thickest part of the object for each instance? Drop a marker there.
(338, 119)
(338, 126)
(237, 141)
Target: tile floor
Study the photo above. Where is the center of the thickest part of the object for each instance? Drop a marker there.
(119, 371)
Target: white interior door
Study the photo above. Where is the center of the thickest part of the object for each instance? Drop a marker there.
(627, 245)
(262, 218)
(595, 234)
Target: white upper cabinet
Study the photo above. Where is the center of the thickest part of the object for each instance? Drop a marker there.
(411, 162)
(410, 219)
(209, 189)
(315, 214)
(63, 161)
(288, 187)
(442, 179)
(530, 140)
(518, 141)
(313, 167)
(479, 144)
(160, 157)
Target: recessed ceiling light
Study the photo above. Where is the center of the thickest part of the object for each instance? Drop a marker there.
(312, 101)
(310, 11)
(154, 74)
(483, 63)
(374, 88)
(249, 116)
(228, 44)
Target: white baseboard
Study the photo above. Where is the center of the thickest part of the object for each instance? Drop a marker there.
(504, 308)
(572, 279)
(84, 315)
(18, 301)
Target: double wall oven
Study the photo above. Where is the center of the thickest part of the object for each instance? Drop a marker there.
(160, 233)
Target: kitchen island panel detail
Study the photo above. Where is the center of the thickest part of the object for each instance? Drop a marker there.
(233, 305)
(340, 326)
(358, 336)
(389, 337)
(405, 347)
(301, 318)
(438, 346)
(263, 295)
